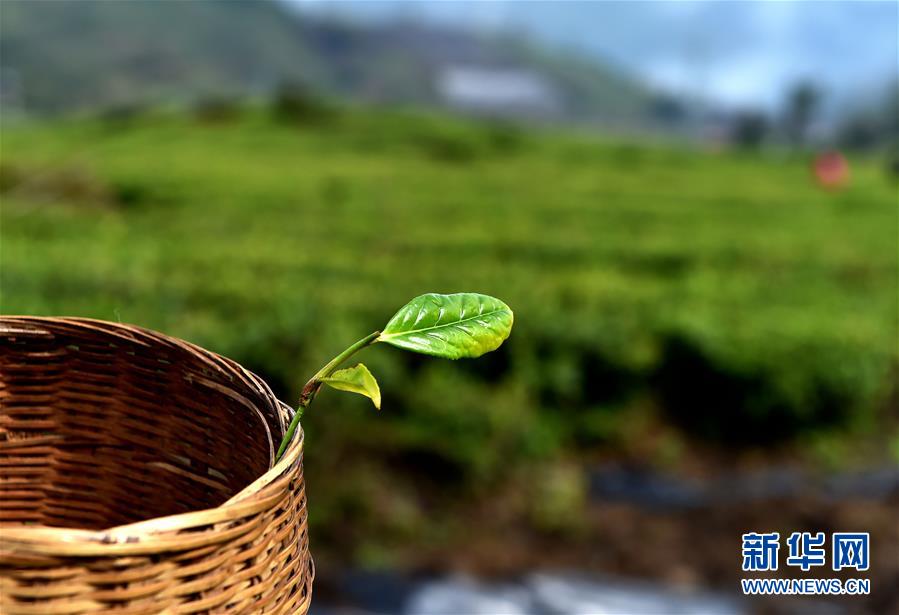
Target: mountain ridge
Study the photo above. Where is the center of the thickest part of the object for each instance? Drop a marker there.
(60, 57)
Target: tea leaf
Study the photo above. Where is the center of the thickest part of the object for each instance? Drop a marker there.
(461, 325)
(356, 379)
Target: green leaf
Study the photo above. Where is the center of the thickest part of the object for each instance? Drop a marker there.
(462, 325)
(356, 379)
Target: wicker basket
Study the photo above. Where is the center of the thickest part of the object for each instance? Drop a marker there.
(136, 477)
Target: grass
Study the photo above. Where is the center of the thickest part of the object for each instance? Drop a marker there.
(727, 293)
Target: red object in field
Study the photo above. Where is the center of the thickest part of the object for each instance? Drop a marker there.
(831, 170)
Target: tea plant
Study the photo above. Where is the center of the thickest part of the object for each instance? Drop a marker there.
(457, 326)
(659, 274)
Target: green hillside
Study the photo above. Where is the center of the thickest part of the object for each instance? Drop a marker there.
(721, 298)
(71, 55)
(63, 56)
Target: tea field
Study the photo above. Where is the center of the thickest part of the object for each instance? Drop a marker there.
(664, 296)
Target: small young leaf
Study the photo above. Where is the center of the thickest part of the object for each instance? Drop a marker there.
(462, 325)
(356, 380)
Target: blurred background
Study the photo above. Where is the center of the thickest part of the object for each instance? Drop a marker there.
(691, 207)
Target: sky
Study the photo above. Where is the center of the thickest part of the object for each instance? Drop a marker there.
(740, 54)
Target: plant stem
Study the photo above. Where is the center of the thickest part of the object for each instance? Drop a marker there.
(334, 363)
(290, 431)
(315, 383)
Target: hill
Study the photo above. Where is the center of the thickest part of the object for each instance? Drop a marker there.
(63, 56)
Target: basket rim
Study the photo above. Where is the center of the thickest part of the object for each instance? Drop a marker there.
(157, 533)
